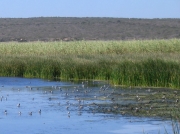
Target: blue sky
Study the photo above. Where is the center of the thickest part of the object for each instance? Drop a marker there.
(90, 8)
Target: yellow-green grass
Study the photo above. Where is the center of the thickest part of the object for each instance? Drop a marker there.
(132, 63)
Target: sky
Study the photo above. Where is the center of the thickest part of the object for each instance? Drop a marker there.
(90, 8)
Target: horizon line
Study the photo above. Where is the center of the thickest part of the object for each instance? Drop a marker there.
(83, 17)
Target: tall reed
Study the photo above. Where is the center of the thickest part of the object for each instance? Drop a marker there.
(132, 63)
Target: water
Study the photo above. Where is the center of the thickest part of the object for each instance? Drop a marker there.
(66, 107)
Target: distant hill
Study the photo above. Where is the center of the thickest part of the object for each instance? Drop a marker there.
(61, 28)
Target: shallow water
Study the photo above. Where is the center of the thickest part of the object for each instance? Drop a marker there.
(66, 107)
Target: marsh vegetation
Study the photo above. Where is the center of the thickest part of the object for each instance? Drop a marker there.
(154, 63)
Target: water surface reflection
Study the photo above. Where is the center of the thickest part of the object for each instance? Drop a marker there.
(66, 107)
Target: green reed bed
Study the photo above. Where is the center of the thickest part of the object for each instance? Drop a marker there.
(132, 63)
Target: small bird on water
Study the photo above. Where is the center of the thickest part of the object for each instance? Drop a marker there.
(18, 105)
(30, 113)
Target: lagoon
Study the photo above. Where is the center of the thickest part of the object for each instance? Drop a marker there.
(67, 107)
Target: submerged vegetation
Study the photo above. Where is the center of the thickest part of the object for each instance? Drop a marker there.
(133, 63)
(144, 102)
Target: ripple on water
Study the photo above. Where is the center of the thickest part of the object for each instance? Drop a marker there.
(66, 107)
